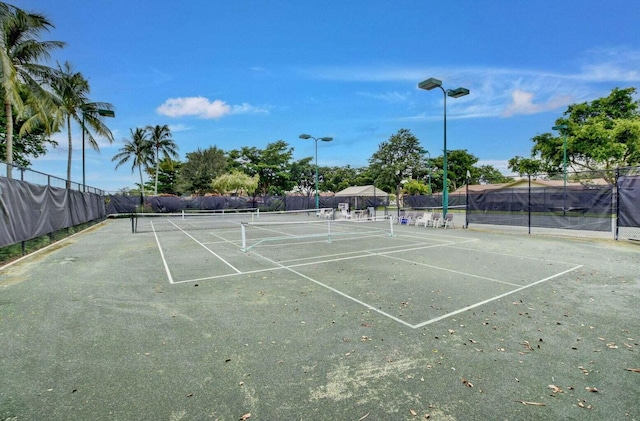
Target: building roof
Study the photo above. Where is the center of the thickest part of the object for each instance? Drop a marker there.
(524, 183)
(362, 191)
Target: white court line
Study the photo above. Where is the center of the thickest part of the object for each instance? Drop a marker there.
(384, 253)
(198, 242)
(164, 261)
(362, 303)
(207, 248)
(451, 270)
(362, 254)
(511, 255)
(453, 313)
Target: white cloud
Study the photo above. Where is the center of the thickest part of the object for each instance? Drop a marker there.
(500, 91)
(389, 96)
(522, 103)
(204, 108)
(619, 64)
(175, 128)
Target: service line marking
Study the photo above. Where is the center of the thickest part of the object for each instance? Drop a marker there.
(453, 313)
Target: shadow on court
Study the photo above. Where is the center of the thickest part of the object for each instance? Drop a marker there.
(456, 324)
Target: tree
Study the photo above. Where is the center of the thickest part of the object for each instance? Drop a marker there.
(303, 172)
(600, 135)
(274, 168)
(167, 176)
(199, 170)
(161, 143)
(28, 145)
(137, 150)
(397, 159)
(72, 91)
(272, 165)
(487, 174)
(20, 70)
(528, 166)
(415, 187)
(339, 178)
(235, 182)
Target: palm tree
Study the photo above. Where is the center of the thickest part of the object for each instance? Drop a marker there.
(138, 150)
(20, 68)
(72, 91)
(161, 142)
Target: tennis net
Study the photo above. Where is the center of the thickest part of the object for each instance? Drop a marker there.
(261, 232)
(189, 220)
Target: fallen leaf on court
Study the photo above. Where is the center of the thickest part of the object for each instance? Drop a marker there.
(451, 331)
(591, 389)
(472, 341)
(245, 416)
(527, 345)
(581, 404)
(612, 346)
(532, 403)
(467, 383)
(427, 416)
(634, 370)
(365, 416)
(584, 370)
(350, 352)
(414, 413)
(555, 388)
(189, 395)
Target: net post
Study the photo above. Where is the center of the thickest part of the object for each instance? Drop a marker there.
(391, 226)
(182, 211)
(134, 221)
(244, 238)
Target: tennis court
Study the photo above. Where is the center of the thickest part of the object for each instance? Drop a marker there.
(351, 259)
(295, 317)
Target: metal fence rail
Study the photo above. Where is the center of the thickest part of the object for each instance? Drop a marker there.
(43, 179)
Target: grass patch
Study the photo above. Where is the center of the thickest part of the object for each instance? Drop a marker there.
(18, 250)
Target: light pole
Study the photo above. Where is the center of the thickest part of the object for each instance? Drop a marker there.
(428, 85)
(562, 128)
(324, 139)
(103, 113)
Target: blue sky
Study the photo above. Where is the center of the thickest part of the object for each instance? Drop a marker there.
(248, 73)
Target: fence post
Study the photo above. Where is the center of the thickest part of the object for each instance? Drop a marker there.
(617, 204)
(529, 205)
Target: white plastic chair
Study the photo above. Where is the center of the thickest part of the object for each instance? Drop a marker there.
(425, 219)
(448, 221)
(436, 220)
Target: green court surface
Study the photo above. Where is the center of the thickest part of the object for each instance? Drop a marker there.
(190, 324)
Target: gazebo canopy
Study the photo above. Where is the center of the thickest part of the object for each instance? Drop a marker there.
(362, 191)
